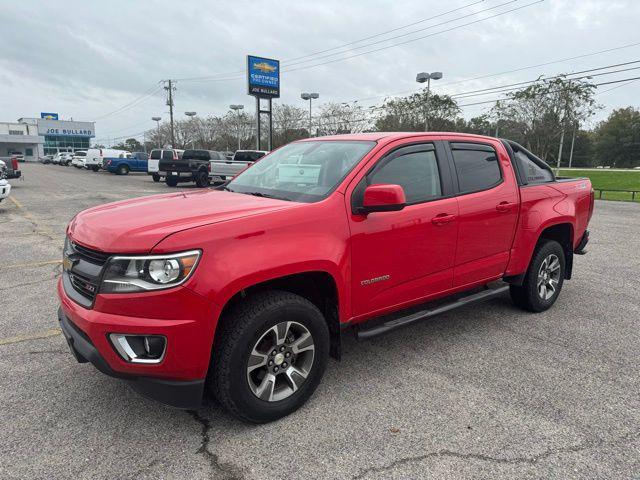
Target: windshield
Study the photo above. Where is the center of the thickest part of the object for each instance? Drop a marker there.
(302, 171)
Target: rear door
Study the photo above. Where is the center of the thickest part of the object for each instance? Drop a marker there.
(488, 204)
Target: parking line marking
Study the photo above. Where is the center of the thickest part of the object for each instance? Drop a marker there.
(29, 216)
(32, 264)
(52, 332)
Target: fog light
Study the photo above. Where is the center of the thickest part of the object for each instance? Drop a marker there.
(139, 348)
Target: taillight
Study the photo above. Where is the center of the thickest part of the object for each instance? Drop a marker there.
(14, 163)
(108, 162)
(209, 167)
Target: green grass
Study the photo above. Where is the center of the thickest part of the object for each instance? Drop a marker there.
(627, 180)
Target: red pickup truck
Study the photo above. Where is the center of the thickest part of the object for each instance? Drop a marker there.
(248, 289)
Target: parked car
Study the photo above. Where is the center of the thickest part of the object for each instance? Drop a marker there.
(194, 166)
(46, 159)
(62, 158)
(95, 156)
(11, 167)
(123, 164)
(248, 287)
(153, 164)
(5, 186)
(221, 171)
(78, 158)
(18, 155)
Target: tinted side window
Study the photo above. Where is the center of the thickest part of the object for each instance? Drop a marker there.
(533, 172)
(155, 154)
(476, 165)
(167, 155)
(417, 173)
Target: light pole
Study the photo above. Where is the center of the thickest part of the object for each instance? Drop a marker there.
(427, 77)
(191, 115)
(237, 109)
(310, 97)
(157, 120)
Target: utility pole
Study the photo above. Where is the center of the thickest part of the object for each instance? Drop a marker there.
(170, 88)
(573, 139)
(427, 77)
(564, 123)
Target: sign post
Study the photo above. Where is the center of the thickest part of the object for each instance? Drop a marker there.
(263, 82)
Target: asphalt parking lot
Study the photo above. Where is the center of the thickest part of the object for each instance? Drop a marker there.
(485, 392)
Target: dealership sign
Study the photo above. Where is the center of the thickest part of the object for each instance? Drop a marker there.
(263, 77)
(49, 115)
(69, 131)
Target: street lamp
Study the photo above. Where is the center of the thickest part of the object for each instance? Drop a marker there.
(427, 77)
(191, 115)
(310, 97)
(237, 109)
(157, 120)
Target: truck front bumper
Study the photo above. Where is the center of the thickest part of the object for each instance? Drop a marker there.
(179, 394)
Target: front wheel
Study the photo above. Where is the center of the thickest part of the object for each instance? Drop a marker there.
(123, 170)
(156, 177)
(269, 356)
(171, 182)
(543, 280)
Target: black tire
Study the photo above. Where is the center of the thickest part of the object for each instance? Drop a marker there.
(528, 296)
(156, 177)
(95, 168)
(202, 179)
(123, 170)
(236, 336)
(171, 182)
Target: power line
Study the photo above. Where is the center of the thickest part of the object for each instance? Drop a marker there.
(132, 103)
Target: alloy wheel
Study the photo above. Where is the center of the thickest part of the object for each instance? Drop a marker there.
(548, 276)
(280, 361)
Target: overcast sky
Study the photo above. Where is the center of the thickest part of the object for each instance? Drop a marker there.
(88, 59)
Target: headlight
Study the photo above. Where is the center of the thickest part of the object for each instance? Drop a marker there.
(153, 272)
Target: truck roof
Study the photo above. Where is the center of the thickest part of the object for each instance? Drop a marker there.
(389, 136)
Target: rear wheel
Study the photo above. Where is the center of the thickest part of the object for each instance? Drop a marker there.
(270, 354)
(95, 168)
(544, 278)
(171, 182)
(202, 179)
(123, 170)
(156, 177)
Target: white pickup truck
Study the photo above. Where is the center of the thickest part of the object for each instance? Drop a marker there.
(5, 187)
(221, 171)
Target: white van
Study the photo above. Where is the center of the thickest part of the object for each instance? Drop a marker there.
(94, 157)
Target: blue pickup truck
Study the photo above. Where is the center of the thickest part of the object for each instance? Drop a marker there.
(125, 163)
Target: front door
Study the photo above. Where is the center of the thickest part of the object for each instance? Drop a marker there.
(408, 255)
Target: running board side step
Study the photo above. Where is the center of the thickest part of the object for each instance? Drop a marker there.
(385, 327)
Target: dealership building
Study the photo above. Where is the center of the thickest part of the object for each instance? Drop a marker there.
(37, 137)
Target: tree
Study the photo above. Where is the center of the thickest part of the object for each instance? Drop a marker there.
(130, 145)
(540, 114)
(289, 123)
(408, 113)
(617, 139)
(337, 118)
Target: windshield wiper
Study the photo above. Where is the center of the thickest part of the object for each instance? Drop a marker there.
(266, 195)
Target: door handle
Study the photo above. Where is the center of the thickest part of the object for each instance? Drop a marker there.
(443, 219)
(504, 207)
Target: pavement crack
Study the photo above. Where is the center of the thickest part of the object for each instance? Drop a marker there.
(529, 460)
(230, 472)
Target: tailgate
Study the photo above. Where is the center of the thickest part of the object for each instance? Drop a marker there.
(174, 166)
(227, 169)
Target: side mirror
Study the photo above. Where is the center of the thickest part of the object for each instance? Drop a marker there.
(383, 198)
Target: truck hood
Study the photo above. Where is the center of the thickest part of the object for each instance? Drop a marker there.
(137, 225)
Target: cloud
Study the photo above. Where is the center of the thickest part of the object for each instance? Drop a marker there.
(85, 59)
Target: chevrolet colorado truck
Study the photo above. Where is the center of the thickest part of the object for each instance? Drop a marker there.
(245, 291)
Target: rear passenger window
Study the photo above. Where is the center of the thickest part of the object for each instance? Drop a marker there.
(167, 155)
(476, 166)
(417, 173)
(533, 172)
